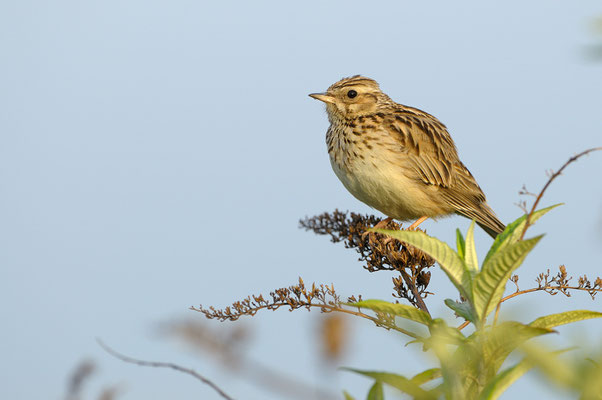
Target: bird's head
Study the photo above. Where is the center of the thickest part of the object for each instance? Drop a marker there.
(352, 97)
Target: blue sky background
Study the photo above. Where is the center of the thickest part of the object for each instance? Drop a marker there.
(140, 140)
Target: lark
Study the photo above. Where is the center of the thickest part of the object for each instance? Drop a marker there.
(398, 159)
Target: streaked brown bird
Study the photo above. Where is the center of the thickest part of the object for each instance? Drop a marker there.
(398, 159)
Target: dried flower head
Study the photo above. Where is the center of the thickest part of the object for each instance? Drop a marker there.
(298, 296)
(561, 283)
(380, 252)
(294, 297)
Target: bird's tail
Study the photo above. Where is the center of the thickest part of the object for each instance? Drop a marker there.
(487, 220)
(484, 217)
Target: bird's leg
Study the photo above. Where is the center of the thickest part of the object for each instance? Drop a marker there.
(415, 224)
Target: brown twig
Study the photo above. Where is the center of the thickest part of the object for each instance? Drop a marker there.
(519, 292)
(551, 285)
(553, 176)
(325, 308)
(163, 365)
(410, 283)
(546, 289)
(464, 325)
(297, 296)
(497, 312)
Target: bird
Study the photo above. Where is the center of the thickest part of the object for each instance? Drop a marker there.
(398, 159)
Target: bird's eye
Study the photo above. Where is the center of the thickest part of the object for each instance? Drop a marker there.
(351, 94)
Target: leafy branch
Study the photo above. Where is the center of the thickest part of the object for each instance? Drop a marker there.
(470, 366)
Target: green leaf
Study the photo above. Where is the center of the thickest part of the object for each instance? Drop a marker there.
(415, 341)
(470, 257)
(504, 338)
(348, 396)
(460, 244)
(510, 334)
(464, 309)
(490, 283)
(504, 379)
(438, 391)
(451, 387)
(376, 392)
(441, 333)
(397, 381)
(399, 310)
(478, 360)
(514, 230)
(567, 317)
(556, 370)
(426, 376)
(449, 261)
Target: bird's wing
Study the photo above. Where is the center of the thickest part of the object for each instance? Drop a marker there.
(428, 147)
(432, 155)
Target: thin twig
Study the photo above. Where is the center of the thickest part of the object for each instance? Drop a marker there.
(464, 325)
(410, 284)
(552, 177)
(519, 292)
(537, 289)
(497, 312)
(548, 287)
(337, 309)
(163, 365)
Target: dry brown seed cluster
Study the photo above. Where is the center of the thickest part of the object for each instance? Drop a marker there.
(294, 297)
(560, 283)
(380, 252)
(298, 296)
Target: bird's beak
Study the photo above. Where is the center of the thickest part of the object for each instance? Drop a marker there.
(326, 98)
